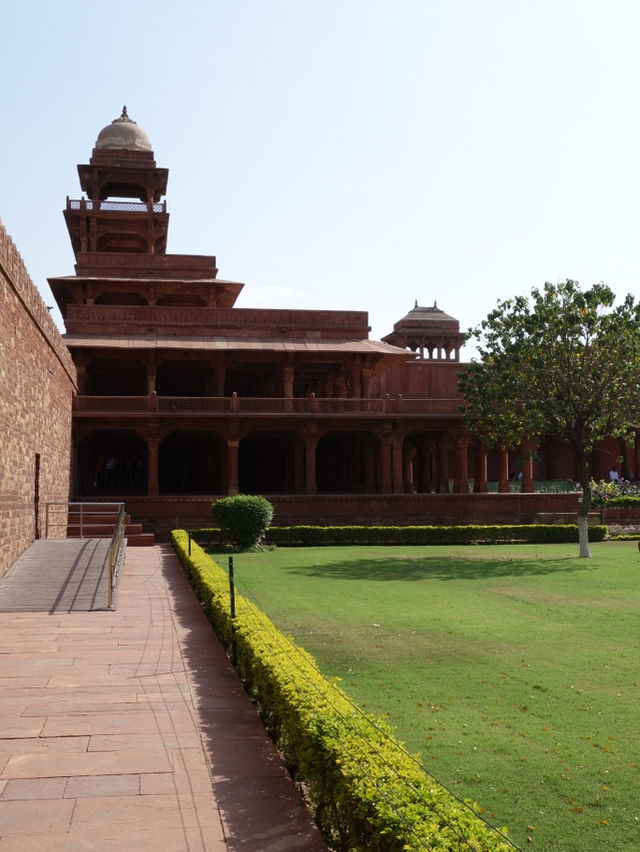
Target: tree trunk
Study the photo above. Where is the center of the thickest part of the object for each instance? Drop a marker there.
(584, 504)
(583, 536)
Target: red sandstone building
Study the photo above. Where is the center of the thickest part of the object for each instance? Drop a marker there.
(182, 396)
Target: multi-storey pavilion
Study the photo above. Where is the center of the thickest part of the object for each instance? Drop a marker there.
(180, 393)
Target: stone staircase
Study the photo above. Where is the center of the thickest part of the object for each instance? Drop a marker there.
(102, 523)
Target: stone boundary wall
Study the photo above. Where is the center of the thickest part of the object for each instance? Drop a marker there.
(37, 383)
(162, 514)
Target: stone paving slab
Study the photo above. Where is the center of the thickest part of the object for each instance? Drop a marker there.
(129, 730)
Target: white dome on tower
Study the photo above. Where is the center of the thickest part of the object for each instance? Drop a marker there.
(123, 133)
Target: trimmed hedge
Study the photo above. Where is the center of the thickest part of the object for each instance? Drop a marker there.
(313, 536)
(625, 501)
(367, 793)
(243, 518)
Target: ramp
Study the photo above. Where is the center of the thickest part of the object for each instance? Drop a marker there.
(58, 575)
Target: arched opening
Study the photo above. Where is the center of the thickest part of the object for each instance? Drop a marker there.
(111, 463)
(191, 463)
(267, 464)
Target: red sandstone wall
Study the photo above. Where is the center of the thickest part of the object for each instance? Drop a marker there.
(162, 514)
(37, 380)
(421, 379)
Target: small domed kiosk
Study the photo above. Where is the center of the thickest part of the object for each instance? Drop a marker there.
(430, 332)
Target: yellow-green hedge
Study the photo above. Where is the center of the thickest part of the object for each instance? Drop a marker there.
(367, 793)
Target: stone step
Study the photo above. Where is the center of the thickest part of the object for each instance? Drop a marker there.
(141, 540)
(133, 533)
(73, 517)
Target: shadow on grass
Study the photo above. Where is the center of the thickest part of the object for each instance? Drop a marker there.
(437, 568)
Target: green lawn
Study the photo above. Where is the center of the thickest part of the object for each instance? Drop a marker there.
(512, 670)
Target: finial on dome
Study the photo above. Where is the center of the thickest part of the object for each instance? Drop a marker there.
(435, 304)
(123, 117)
(416, 305)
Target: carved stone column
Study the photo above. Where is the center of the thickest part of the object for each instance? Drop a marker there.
(503, 474)
(310, 445)
(462, 467)
(152, 466)
(396, 461)
(233, 486)
(354, 379)
(365, 382)
(152, 374)
(480, 484)
(385, 464)
(443, 451)
(528, 484)
(287, 383)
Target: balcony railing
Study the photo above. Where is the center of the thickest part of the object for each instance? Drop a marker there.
(267, 405)
(125, 206)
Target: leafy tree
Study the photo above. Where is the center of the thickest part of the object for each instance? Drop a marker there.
(565, 363)
(244, 518)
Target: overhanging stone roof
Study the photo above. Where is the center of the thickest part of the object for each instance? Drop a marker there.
(383, 355)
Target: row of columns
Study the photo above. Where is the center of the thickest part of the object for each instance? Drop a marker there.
(389, 464)
(352, 381)
(392, 470)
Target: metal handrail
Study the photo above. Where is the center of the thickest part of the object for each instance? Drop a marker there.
(84, 519)
(87, 514)
(116, 554)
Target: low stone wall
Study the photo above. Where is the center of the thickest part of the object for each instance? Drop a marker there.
(162, 514)
(37, 381)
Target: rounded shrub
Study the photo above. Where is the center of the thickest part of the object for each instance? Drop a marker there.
(243, 519)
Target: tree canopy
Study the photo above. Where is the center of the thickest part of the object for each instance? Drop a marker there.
(564, 362)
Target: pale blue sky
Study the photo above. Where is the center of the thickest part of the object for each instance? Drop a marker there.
(347, 154)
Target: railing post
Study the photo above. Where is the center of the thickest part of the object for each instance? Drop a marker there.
(110, 595)
(232, 602)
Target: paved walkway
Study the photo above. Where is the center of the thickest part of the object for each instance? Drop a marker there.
(129, 730)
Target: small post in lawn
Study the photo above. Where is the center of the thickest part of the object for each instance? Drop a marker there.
(232, 595)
